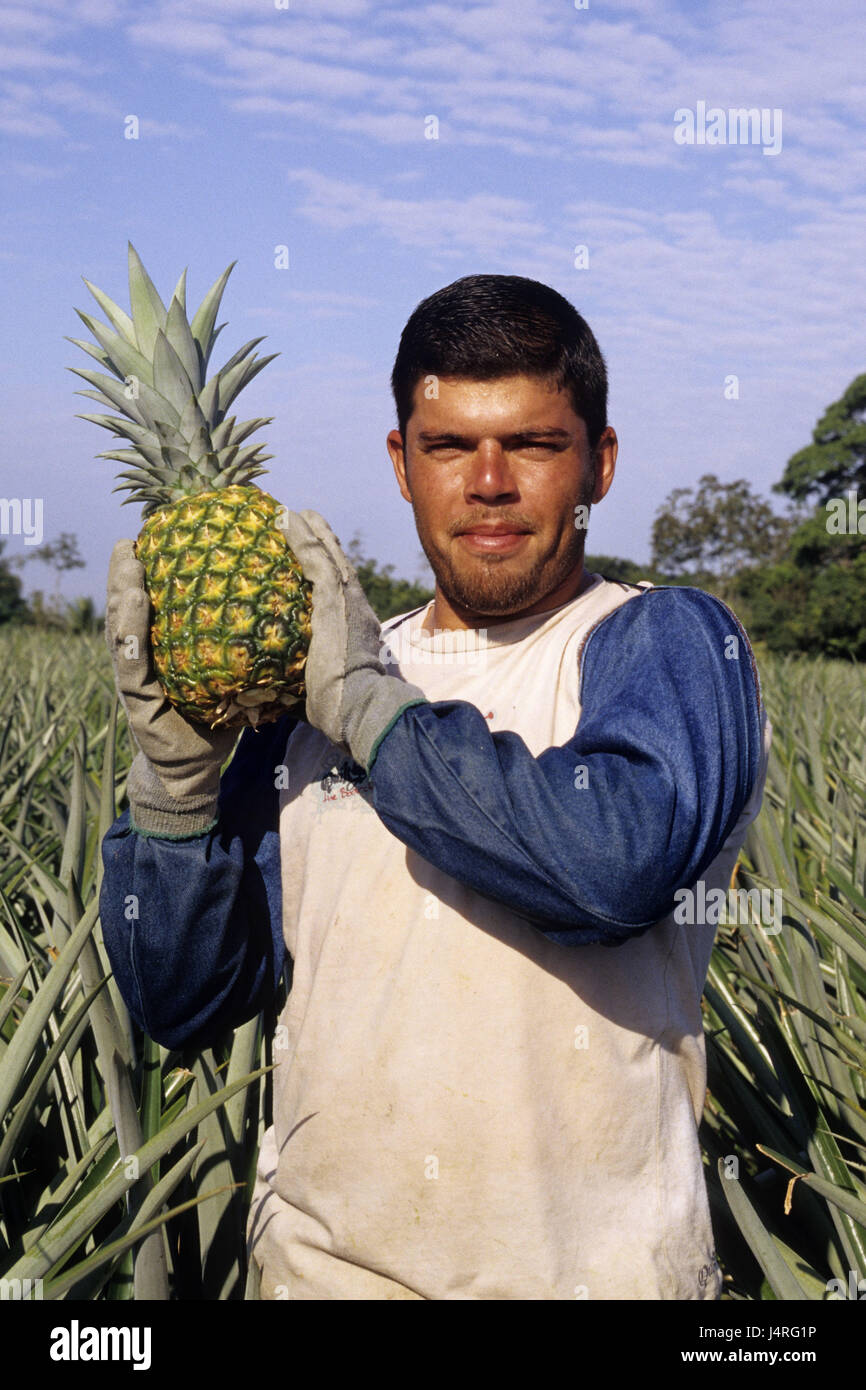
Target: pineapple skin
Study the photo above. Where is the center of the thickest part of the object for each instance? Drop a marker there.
(231, 607)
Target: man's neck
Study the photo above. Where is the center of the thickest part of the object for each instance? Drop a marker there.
(446, 615)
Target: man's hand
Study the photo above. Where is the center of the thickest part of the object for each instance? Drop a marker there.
(350, 697)
(173, 782)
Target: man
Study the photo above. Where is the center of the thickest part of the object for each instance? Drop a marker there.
(492, 1064)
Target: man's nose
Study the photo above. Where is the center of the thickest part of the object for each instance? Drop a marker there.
(490, 477)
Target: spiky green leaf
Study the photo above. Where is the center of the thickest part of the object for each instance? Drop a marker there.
(205, 317)
(99, 353)
(180, 291)
(194, 428)
(110, 392)
(170, 377)
(148, 311)
(113, 312)
(123, 359)
(240, 376)
(242, 352)
(177, 331)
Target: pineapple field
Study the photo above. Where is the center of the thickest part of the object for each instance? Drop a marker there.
(126, 1169)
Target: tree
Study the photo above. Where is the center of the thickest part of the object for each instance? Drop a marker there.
(62, 554)
(820, 612)
(621, 571)
(386, 595)
(835, 461)
(12, 606)
(814, 599)
(717, 530)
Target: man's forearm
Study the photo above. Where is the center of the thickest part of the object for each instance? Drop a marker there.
(193, 927)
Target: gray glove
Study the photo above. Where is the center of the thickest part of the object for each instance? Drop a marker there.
(350, 697)
(173, 782)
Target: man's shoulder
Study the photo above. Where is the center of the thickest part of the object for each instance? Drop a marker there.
(663, 604)
(675, 622)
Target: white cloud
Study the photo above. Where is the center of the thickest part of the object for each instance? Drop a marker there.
(182, 35)
(19, 115)
(30, 56)
(14, 20)
(482, 223)
(542, 80)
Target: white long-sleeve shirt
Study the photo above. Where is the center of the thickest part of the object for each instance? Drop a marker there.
(476, 1096)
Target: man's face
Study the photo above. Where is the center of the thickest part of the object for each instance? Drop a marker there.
(494, 471)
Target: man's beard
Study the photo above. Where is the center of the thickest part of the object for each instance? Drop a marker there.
(490, 585)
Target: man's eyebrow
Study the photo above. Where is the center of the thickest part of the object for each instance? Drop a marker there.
(427, 436)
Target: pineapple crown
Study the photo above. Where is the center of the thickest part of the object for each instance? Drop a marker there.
(182, 440)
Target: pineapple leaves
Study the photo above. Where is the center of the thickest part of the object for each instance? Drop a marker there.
(108, 392)
(145, 447)
(177, 331)
(136, 475)
(223, 433)
(239, 356)
(234, 381)
(115, 315)
(123, 359)
(148, 311)
(194, 428)
(180, 292)
(217, 331)
(170, 377)
(247, 456)
(209, 402)
(98, 353)
(202, 326)
(248, 427)
(175, 421)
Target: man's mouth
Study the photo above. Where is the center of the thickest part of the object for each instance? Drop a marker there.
(492, 538)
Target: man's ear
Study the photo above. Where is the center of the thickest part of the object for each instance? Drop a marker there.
(394, 445)
(604, 463)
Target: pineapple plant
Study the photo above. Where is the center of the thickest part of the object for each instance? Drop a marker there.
(231, 606)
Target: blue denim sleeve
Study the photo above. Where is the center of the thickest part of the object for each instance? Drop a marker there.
(589, 841)
(193, 928)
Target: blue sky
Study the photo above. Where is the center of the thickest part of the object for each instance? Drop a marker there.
(261, 126)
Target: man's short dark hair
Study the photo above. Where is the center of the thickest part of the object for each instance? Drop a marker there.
(483, 327)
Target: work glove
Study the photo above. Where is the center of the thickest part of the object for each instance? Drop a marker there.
(173, 783)
(350, 697)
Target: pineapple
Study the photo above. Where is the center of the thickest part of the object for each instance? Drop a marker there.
(231, 605)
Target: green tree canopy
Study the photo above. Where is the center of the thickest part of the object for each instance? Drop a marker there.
(717, 529)
(386, 595)
(12, 605)
(835, 461)
(623, 571)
